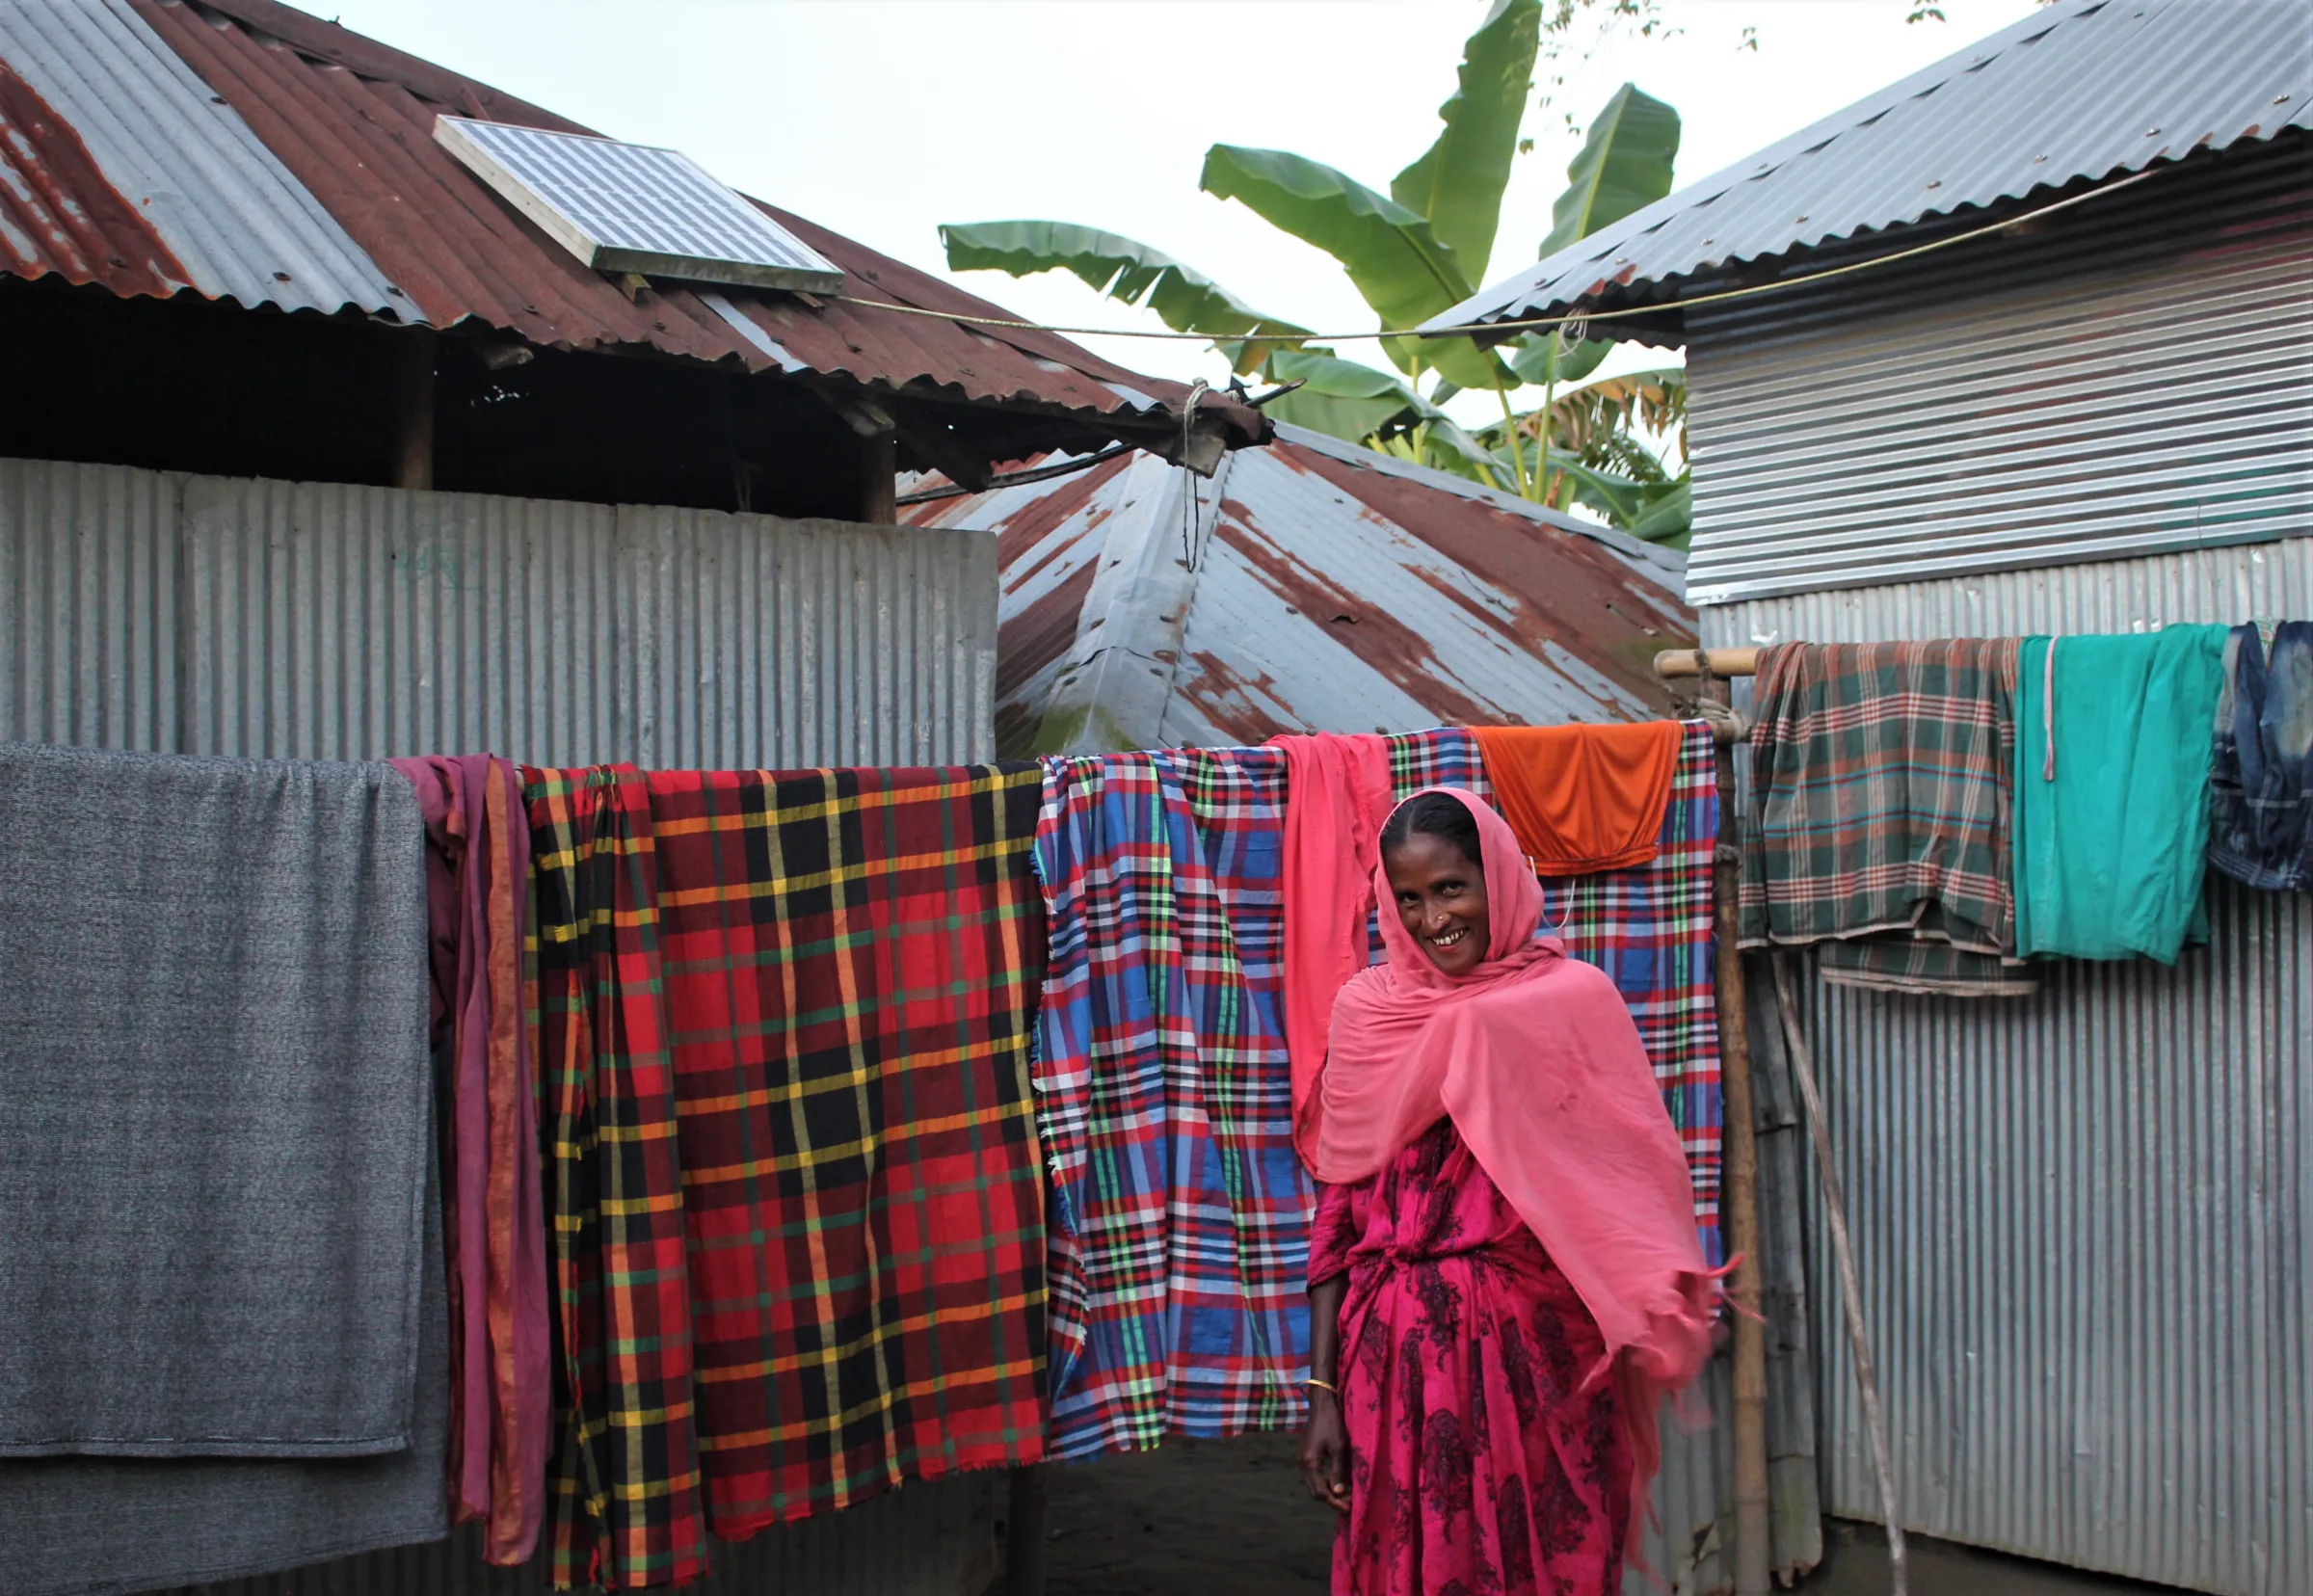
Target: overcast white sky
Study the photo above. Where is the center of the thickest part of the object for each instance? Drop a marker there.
(882, 118)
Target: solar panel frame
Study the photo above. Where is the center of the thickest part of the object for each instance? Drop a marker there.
(627, 207)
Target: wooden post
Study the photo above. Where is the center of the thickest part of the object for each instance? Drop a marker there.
(1850, 1288)
(879, 469)
(1025, 1532)
(1753, 1548)
(413, 407)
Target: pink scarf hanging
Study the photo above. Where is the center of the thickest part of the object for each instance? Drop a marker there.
(1337, 796)
(1535, 1058)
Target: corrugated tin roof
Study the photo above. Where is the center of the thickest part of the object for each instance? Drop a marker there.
(283, 160)
(124, 170)
(1334, 590)
(2077, 93)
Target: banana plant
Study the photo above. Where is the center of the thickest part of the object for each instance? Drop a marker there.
(1411, 254)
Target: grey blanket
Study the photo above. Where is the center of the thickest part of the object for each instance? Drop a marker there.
(82, 1526)
(214, 1093)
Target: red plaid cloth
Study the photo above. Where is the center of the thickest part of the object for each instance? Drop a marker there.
(1648, 927)
(622, 1497)
(847, 964)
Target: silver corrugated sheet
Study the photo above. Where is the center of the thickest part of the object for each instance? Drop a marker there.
(2085, 89)
(317, 620)
(187, 163)
(1690, 1546)
(2083, 1220)
(2135, 379)
(930, 1539)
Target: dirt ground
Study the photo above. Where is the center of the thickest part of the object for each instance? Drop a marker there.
(1230, 1517)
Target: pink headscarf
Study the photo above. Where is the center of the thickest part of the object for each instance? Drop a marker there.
(1534, 1058)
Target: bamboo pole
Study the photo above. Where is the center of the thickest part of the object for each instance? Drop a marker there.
(1716, 662)
(1753, 1541)
(1835, 1209)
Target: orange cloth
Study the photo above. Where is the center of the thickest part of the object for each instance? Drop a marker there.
(1583, 798)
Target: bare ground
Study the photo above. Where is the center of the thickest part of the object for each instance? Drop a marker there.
(1230, 1517)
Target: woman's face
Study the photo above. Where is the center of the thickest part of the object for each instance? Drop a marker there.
(1441, 900)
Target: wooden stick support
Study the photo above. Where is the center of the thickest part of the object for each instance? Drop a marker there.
(1850, 1290)
(1753, 1536)
(1724, 662)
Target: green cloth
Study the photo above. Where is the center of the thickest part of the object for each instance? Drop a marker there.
(2110, 852)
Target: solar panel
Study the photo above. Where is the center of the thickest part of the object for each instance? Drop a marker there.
(623, 207)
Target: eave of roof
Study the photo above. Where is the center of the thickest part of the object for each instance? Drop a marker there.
(2083, 92)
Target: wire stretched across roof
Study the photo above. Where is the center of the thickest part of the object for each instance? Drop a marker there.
(247, 151)
(2082, 90)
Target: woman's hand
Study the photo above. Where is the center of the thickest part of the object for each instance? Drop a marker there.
(1325, 1451)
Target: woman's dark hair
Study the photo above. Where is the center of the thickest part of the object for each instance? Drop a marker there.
(1441, 816)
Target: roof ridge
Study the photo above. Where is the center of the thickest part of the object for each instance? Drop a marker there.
(358, 53)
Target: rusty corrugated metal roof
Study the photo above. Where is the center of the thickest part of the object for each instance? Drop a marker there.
(1334, 590)
(336, 127)
(118, 167)
(2075, 93)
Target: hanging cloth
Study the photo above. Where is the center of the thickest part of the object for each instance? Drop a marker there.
(2261, 787)
(1339, 795)
(493, 1215)
(1882, 777)
(1583, 798)
(1534, 1058)
(2111, 779)
(214, 1105)
(1180, 1224)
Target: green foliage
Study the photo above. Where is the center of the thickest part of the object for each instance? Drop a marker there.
(1458, 181)
(1121, 268)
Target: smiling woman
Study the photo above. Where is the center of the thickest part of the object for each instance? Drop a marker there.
(1437, 869)
(1505, 1274)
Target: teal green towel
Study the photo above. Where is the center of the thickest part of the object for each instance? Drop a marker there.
(2110, 849)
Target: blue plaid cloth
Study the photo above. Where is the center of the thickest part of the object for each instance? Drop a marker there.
(1179, 1231)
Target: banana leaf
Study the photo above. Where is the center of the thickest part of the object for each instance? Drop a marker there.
(1457, 183)
(1339, 397)
(1625, 164)
(1393, 256)
(1123, 269)
(1668, 518)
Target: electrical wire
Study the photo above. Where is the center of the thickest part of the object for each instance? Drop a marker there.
(1520, 323)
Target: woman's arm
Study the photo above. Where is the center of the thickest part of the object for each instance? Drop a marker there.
(1325, 1445)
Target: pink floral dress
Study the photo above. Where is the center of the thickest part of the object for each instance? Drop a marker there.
(1477, 1467)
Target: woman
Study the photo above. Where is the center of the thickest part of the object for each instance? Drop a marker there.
(1505, 1276)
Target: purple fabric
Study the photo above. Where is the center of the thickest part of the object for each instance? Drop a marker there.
(478, 867)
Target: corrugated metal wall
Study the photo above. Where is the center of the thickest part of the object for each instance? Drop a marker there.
(2129, 377)
(1689, 1549)
(2083, 1220)
(211, 615)
(204, 615)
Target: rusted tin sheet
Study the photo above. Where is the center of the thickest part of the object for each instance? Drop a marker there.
(284, 161)
(1333, 590)
(118, 168)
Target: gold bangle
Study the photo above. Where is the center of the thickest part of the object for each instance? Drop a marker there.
(1322, 1386)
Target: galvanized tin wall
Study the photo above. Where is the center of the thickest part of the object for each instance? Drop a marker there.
(1690, 1546)
(153, 611)
(321, 620)
(2129, 377)
(2083, 1220)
